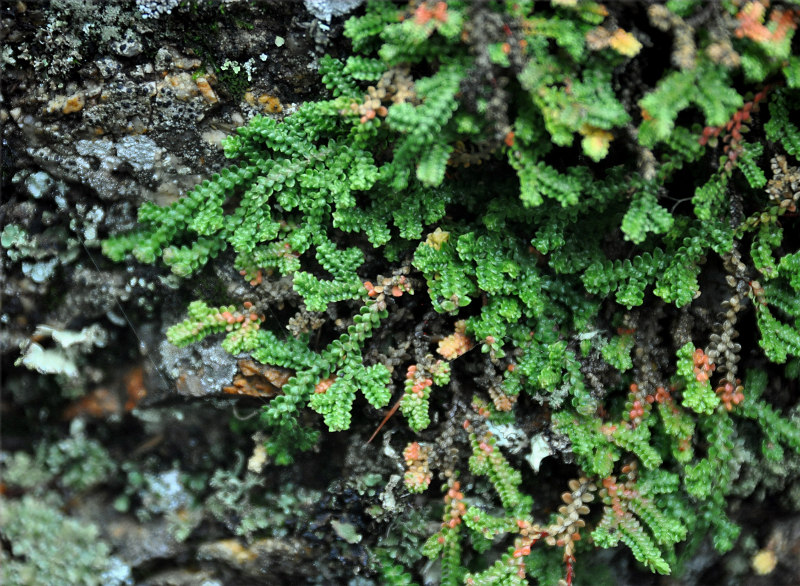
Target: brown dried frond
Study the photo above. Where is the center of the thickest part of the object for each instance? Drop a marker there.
(502, 401)
(684, 52)
(784, 187)
(418, 473)
(454, 345)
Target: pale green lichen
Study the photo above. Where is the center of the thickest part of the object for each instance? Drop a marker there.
(45, 547)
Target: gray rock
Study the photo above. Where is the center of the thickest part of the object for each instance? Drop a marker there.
(128, 46)
(326, 9)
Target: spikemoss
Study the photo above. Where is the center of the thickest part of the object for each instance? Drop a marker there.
(587, 272)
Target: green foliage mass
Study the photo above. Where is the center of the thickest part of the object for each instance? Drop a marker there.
(543, 250)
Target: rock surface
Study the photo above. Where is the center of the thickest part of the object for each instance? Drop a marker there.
(106, 105)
